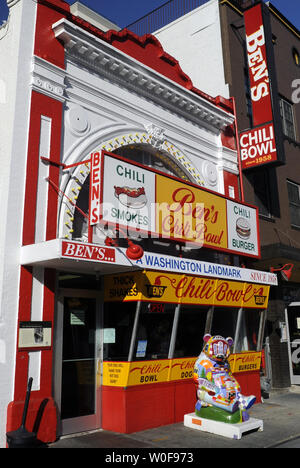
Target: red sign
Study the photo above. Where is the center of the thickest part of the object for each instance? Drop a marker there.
(90, 252)
(95, 186)
(258, 68)
(258, 146)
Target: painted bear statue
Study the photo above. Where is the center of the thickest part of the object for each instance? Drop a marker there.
(218, 392)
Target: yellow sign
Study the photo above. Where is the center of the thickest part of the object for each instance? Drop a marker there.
(115, 373)
(245, 362)
(182, 369)
(146, 372)
(165, 206)
(187, 213)
(125, 374)
(152, 286)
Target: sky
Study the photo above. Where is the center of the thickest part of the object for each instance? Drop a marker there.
(124, 12)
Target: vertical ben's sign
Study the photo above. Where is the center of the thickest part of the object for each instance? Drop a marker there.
(95, 188)
(258, 145)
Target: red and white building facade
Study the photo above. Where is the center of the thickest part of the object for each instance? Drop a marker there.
(67, 90)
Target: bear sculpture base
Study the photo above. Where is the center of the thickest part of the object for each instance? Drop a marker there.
(225, 429)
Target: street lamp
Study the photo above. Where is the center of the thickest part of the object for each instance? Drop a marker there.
(133, 252)
(285, 270)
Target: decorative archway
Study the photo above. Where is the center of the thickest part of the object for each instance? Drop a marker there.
(73, 225)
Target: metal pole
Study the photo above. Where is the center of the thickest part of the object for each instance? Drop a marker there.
(174, 332)
(261, 330)
(237, 328)
(209, 319)
(134, 330)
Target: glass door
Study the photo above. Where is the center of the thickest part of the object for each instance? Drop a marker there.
(293, 322)
(78, 361)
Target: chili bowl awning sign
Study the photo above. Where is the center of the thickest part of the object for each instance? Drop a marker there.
(133, 198)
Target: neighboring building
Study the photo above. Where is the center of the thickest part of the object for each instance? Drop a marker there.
(96, 117)
(209, 40)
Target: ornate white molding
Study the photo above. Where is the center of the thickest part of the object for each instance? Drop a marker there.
(157, 135)
(48, 79)
(49, 87)
(170, 154)
(11, 3)
(104, 59)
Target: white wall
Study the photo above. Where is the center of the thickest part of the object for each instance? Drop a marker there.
(15, 53)
(195, 41)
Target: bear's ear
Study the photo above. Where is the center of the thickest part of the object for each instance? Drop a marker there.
(229, 341)
(206, 337)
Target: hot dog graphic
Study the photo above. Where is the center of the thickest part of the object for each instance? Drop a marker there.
(131, 197)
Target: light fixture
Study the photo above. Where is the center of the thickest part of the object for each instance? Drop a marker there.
(133, 252)
(285, 270)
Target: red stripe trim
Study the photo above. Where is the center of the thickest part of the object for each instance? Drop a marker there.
(22, 358)
(41, 105)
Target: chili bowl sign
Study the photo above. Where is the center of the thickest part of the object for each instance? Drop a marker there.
(132, 197)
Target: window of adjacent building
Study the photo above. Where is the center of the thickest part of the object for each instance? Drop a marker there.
(260, 181)
(296, 56)
(294, 202)
(287, 118)
(248, 95)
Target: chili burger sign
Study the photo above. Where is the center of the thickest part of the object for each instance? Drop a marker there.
(134, 198)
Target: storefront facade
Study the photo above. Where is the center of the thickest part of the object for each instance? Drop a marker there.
(224, 34)
(99, 118)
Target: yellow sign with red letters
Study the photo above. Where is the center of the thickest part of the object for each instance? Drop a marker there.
(191, 214)
(124, 374)
(147, 201)
(152, 286)
(245, 362)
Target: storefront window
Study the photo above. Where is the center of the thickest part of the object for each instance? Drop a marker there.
(154, 331)
(149, 156)
(252, 319)
(247, 329)
(224, 321)
(117, 329)
(190, 331)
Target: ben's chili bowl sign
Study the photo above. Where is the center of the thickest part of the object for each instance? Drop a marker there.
(258, 146)
(88, 252)
(153, 286)
(243, 362)
(125, 374)
(134, 198)
(258, 68)
(149, 372)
